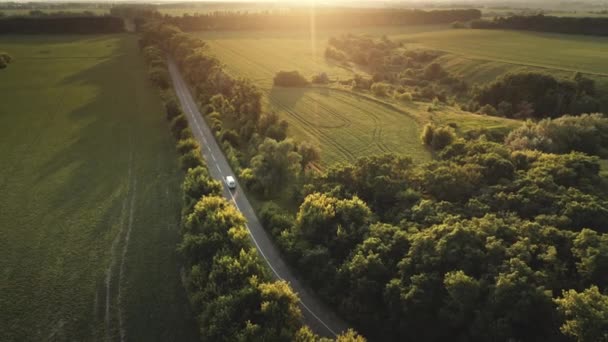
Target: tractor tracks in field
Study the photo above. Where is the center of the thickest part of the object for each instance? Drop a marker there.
(114, 279)
(341, 149)
(375, 141)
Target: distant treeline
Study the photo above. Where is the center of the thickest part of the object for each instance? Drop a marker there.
(323, 18)
(50, 25)
(571, 25)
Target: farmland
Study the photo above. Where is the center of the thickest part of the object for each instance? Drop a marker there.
(90, 195)
(344, 124)
(545, 50)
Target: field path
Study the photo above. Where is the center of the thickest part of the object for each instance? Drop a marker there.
(316, 315)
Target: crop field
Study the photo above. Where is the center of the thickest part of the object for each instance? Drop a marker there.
(345, 125)
(90, 195)
(545, 50)
(247, 53)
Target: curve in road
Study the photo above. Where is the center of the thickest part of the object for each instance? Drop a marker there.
(316, 315)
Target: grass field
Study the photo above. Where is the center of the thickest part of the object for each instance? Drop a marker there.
(90, 196)
(546, 50)
(345, 125)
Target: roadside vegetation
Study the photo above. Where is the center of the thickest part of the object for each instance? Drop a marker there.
(230, 289)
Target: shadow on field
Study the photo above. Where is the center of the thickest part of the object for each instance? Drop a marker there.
(107, 143)
(287, 97)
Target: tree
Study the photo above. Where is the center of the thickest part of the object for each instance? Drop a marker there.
(197, 184)
(5, 59)
(275, 166)
(309, 152)
(585, 314)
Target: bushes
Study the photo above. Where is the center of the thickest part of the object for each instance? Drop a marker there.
(191, 159)
(178, 124)
(172, 108)
(5, 59)
(535, 95)
(321, 78)
(404, 97)
(381, 89)
(185, 145)
(437, 138)
(290, 79)
(587, 133)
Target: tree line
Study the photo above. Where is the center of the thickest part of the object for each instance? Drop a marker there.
(61, 25)
(325, 18)
(230, 290)
(594, 26)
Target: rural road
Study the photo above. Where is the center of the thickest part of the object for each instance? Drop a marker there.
(316, 315)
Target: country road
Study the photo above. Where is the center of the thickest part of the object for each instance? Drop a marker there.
(316, 315)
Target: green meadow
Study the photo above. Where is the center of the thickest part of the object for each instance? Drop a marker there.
(90, 199)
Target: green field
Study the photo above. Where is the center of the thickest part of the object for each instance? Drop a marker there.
(90, 196)
(546, 50)
(345, 125)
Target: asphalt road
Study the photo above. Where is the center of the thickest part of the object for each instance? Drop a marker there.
(316, 315)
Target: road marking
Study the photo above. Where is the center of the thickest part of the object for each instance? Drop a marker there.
(213, 157)
(186, 100)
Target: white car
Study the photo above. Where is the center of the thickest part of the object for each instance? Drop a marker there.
(231, 182)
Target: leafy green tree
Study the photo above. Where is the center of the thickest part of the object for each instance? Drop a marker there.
(198, 183)
(276, 165)
(585, 313)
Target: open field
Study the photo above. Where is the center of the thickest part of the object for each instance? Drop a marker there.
(345, 125)
(546, 50)
(247, 53)
(90, 195)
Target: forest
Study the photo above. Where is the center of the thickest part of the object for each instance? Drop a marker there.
(491, 241)
(324, 19)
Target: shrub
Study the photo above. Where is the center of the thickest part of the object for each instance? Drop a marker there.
(488, 110)
(380, 89)
(5, 59)
(231, 136)
(321, 78)
(191, 159)
(405, 97)
(186, 145)
(427, 134)
(186, 134)
(290, 79)
(437, 138)
(172, 108)
(159, 76)
(178, 124)
(442, 137)
(275, 218)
